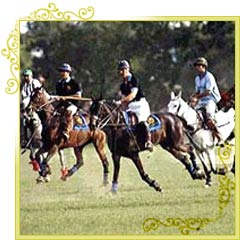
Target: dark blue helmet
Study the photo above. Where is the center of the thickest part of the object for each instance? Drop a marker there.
(123, 64)
(65, 67)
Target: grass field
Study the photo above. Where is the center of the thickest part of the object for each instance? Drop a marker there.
(82, 206)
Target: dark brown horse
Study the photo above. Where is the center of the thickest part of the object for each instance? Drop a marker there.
(127, 141)
(53, 139)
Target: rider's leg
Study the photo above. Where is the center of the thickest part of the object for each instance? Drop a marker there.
(211, 123)
(148, 142)
(70, 111)
(142, 110)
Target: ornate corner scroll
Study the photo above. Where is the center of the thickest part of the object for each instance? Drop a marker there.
(187, 225)
(52, 13)
(11, 52)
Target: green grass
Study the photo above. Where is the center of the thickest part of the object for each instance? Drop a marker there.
(82, 206)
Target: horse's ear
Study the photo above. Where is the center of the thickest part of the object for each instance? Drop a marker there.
(172, 95)
(100, 97)
(180, 94)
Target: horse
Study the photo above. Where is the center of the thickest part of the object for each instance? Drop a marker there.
(54, 141)
(127, 139)
(200, 137)
(227, 99)
(41, 105)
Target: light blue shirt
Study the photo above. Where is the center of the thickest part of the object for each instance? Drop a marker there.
(207, 82)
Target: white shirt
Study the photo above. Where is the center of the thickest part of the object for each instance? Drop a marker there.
(27, 90)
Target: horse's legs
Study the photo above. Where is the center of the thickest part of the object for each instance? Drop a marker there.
(44, 166)
(77, 165)
(206, 169)
(64, 170)
(189, 149)
(99, 144)
(151, 182)
(116, 168)
(184, 160)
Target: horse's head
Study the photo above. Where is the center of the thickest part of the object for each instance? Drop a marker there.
(174, 104)
(102, 112)
(95, 112)
(39, 97)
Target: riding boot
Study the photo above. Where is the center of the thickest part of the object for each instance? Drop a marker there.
(69, 124)
(148, 143)
(215, 133)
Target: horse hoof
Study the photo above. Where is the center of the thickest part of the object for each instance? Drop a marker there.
(198, 174)
(221, 171)
(63, 178)
(47, 179)
(40, 179)
(208, 184)
(114, 188)
(105, 183)
(64, 174)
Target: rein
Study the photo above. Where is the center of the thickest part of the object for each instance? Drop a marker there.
(105, 121)
(45, 104)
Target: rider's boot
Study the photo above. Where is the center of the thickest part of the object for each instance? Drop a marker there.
(148, 143)
(69, 124)
(215, 133)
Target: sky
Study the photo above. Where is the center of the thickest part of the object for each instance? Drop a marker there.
(13, 10)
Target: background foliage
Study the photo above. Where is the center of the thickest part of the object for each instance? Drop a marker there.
(161, 54)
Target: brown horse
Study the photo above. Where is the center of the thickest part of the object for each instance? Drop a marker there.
(54, 140)
(227, 99)
(42, 104)
(126, 140)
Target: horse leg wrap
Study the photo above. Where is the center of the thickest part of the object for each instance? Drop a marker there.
(114, 187)
(105, 167)
(74, 169)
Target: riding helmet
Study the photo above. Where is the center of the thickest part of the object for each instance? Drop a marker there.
(123, 64)
(201, 61)
(27, 72)
(65, 67)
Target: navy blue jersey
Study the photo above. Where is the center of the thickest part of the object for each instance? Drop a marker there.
(126, 87)
(67, 87)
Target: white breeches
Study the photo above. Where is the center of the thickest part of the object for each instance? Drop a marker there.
(72, 108)
(141, 108)
(210, 107)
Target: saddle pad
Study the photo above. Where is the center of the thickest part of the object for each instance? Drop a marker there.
(80, 123)
(154, 122)
(130, 119)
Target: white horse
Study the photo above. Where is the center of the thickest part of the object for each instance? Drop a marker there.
(201, 138)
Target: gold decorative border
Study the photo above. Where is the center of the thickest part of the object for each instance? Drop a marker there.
(12, 54)
(52, 13)
(185, 225)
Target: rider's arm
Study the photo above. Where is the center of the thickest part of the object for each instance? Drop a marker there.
(204, 94)
(130, 96)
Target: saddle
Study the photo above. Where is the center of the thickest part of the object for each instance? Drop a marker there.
(79, 122)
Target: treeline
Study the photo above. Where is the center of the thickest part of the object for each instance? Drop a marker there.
(161, 53)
